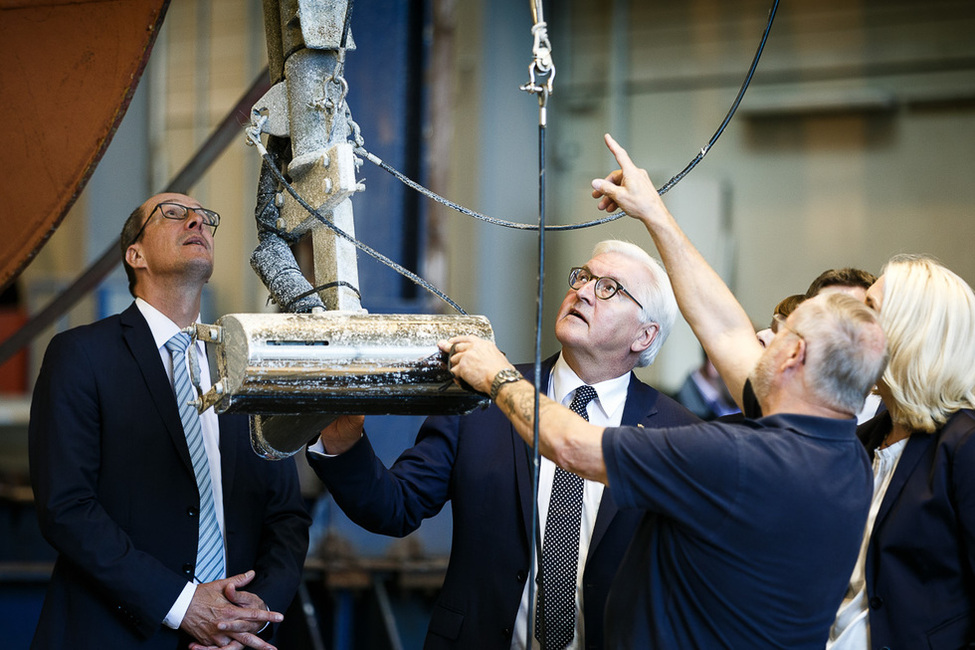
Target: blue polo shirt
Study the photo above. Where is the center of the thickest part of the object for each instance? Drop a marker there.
(751, 532)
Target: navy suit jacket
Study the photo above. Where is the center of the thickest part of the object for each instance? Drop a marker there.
(480, 464)
(117, 498)
(920, 568)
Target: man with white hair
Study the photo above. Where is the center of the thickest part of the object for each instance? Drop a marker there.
(751, 528)
(615, 316)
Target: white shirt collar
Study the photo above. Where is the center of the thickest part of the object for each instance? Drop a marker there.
(610, 394)
(160, 325)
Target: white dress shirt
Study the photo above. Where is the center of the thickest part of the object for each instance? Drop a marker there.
(870, 406)
(605, 411)
(851, 629)
(163, 329)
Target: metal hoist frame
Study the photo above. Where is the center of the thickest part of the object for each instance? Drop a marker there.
(294, 372)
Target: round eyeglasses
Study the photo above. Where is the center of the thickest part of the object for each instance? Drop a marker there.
(178, 212)
(605, 288)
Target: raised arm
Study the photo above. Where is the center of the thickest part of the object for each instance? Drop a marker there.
(708, 306)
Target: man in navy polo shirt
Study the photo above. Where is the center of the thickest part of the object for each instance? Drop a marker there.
(751, 528)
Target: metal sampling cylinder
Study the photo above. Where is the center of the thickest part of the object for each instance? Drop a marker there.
(324, 364)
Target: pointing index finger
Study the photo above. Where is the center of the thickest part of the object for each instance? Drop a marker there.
(618, 151)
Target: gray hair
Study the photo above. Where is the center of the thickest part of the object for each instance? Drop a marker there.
(657, 296)
(846, 350)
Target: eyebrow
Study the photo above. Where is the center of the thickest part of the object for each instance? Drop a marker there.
(182, 205)
(591, 272)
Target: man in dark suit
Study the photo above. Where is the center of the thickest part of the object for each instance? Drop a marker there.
(132, 489)
(614, 318)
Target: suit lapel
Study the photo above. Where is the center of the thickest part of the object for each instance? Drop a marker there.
(138, 338)
(917, 446)
(641, 404)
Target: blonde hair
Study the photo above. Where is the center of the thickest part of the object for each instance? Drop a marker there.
(928, 314)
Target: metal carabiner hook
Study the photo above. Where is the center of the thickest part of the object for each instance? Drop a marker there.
(542, 61)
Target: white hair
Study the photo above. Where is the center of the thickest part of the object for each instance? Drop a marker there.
(657, 296)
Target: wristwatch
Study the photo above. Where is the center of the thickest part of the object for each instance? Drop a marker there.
(503, 377)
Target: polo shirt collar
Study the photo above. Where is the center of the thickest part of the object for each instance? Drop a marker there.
(813, 426)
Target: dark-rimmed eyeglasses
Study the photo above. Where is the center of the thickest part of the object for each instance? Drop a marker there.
(178, 212)
(605, 288)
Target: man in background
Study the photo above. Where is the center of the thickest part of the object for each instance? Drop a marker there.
(853, 282)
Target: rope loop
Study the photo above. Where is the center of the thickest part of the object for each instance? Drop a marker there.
(542, 64)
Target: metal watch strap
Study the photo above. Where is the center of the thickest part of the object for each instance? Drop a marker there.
(503, 377)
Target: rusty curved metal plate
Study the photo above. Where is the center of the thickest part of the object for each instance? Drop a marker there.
(68, 69)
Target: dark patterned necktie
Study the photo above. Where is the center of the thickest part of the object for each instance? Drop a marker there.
(556, 608)
(209, 554)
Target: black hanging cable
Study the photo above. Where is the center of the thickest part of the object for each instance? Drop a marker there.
(430, 194)
(543, 65)
(731, 112)
(328, 285)
(254, 138)
(536, 454)
(613, 217)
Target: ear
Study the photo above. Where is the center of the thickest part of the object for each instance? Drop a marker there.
(647, 334)
(796, 355)
(134, 257)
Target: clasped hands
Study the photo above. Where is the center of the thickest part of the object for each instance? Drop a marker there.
(221, 617)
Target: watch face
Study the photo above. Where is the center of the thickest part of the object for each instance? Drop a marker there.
(503, 377)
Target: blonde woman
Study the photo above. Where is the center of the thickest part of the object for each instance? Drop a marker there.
(914, 583)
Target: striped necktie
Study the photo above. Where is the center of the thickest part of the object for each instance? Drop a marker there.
(209, 552)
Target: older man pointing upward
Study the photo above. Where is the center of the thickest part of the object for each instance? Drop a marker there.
(751, 528)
